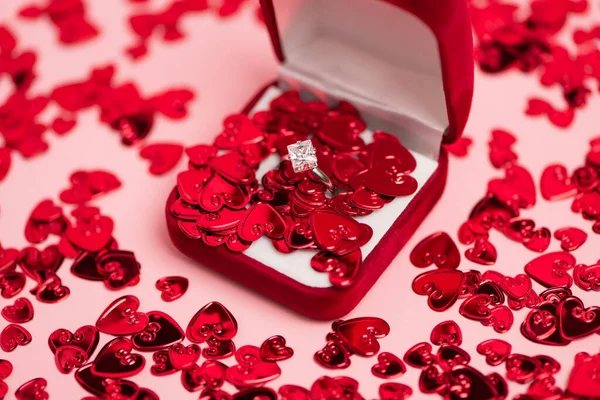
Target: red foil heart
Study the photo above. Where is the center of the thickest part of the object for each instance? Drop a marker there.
(420, 356)
(105, 387)
(20, 312)
(41, 265)
(162, 364)
(438, 249)
(275, 349)
(172, 287)
(86, 338)
(342, 269)
(251, 370)
(468, 383)
(517, 287)
(482, 252)
(432, 380)
(33, 390)
(587, 277)
(218, 349)
(183, 357)
(521, 369)
(337, 233)
(575, 321)
(12, 336)
(449, 357)
(550, 269)
(360, 335)
(119, 267)
(261, 219)
(394, 391)
(121, 317)
(442, 287)
(210, 375)
(11, 284)
(570, 238)
(211, 320)
(447, 332)
(334, 355)
(495, 351)
(581, 380)
(115, 360)
(163, 157)
(556, 183)
(388, 366)
(69, 357)
(161, 332)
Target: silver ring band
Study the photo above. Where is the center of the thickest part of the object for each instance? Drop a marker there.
(323, 178)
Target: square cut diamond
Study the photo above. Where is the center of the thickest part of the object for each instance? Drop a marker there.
(303, 156)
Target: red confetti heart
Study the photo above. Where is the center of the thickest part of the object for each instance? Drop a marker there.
(360, 334)
(570, 238)
(20, 312)
(575, 321)
(121, 317)
(69, 357)
(12, 336)
(394, 391)
(182, 357)
(32, 390)
(550, 270)
(86, 338)
(482, 252)
(556, 184)
(250, 370)
(162, 331)
(163, 157)
(420, 356)
(210, 375)
(274, 349)
(388, 366)
(447, 332)
(172, 287)
(438, 249)
(521, 369)
(261, 219)
(495, 351)
(211, 320)
(517, 287)
(109, 361)
(442, 287)
(581, 380)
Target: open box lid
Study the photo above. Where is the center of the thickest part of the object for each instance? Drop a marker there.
(410, 58)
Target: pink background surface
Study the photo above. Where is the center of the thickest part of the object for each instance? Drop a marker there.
(226, 62)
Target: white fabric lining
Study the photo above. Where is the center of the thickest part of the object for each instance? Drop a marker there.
(297, 265)
(377, 56)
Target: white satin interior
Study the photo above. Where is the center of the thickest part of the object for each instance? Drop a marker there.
(297, 265)
(382, 59)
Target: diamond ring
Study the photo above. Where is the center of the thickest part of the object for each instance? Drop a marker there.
(303, 156)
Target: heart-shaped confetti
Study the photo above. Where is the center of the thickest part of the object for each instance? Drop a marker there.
(388, 366)
(121, 317)
(20, 312)
(12, 336)
(251, 370)
(115, 360)
(442, 287)
(163, 157)
(438, 249)
(275, 349)
(172, 287)
(570, 238)
(211, 320)
(161, 331)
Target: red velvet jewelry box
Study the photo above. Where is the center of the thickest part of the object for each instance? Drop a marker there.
(407, 66)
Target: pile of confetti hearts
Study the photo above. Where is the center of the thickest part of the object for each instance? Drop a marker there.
(528, 39)
(221, 203)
